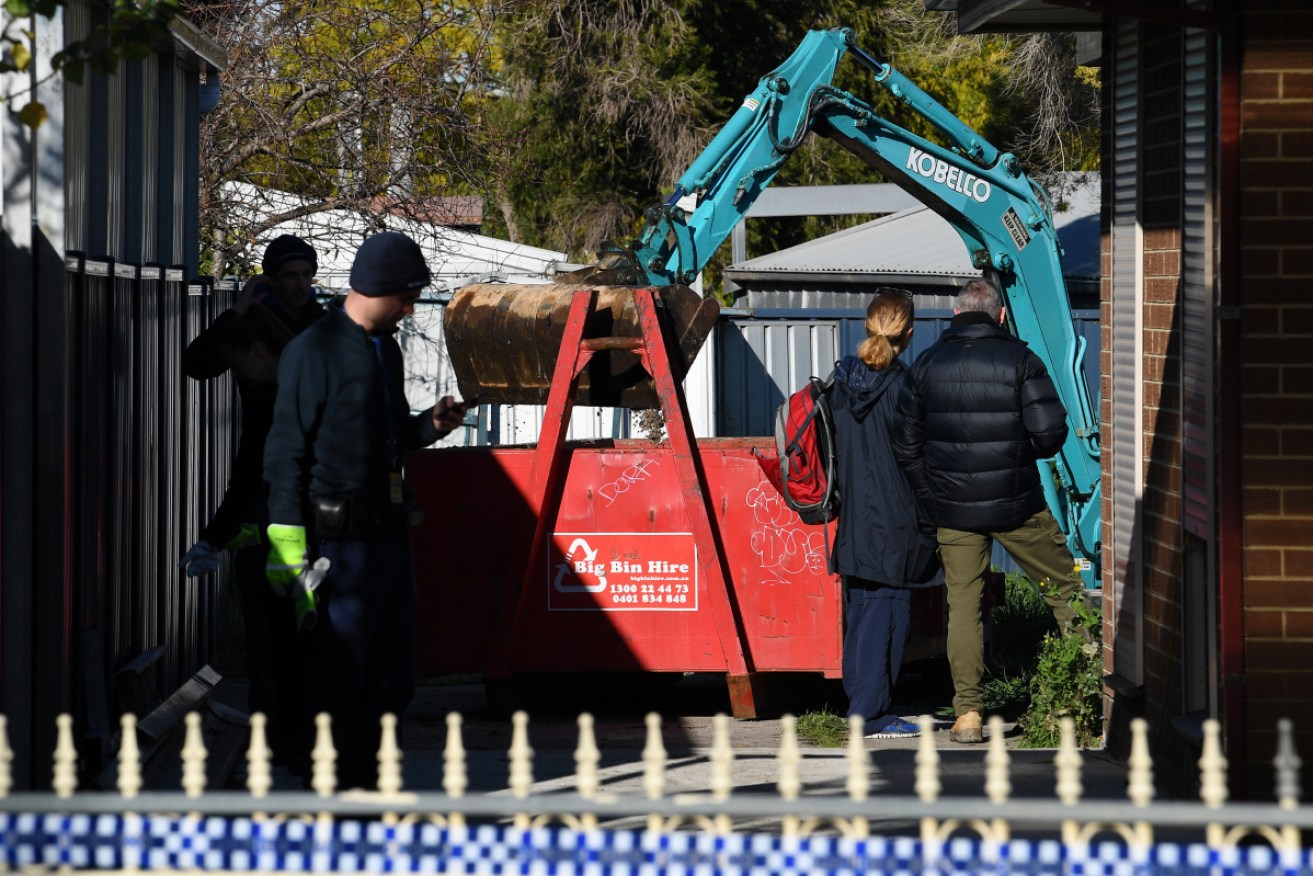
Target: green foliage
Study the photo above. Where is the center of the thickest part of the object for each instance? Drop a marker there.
(824, 729)
(1006, 695)
(25, 8)
(1017, 628)
(131, 30)
(605, 104)
(1068, 682)
(568, 117)
(1041, 676)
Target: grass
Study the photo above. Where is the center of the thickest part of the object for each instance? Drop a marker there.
(823, 729)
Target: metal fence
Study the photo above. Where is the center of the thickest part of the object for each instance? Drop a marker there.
(147, 454)
(763, 358)
(588, 829)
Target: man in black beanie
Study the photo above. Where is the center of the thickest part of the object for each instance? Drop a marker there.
(280, 303)
(286, 288)
(333, 462)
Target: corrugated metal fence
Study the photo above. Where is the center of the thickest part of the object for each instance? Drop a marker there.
(766, 356)
(750, 364)
(147, 454)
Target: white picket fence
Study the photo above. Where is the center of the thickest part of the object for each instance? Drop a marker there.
(596, 832)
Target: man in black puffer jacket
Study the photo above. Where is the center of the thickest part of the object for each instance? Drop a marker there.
(978, 413)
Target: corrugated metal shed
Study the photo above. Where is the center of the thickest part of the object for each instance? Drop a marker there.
(804, 306)
(455, 256)
(913, 248)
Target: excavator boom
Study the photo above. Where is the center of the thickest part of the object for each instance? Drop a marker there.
(1003, 218)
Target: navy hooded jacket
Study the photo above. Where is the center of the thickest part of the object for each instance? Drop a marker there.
(979, 412)
(879, 536)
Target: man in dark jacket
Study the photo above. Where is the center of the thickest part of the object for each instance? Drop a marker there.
(247, 338)
(286, 288)
(333, 461)
(978, 413)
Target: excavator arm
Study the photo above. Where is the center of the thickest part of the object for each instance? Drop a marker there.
(1004, 219)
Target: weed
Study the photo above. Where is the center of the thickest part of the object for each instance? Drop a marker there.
(1017, 629)
(1034, 672)
(824, 729)
(1068, 682)
(1008, 695)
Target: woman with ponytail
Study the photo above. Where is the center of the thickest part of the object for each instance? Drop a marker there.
(883, 548)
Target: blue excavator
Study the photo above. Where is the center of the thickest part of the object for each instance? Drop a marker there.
(1004, 219)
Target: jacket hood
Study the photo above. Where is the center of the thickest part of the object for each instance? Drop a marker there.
(863, 385)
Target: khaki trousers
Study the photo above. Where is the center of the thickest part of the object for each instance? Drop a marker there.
(1040, 549)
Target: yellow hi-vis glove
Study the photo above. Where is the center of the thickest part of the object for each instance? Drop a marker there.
(286, 556)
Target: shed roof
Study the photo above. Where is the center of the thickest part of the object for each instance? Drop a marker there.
(455, 256)
(916, 245)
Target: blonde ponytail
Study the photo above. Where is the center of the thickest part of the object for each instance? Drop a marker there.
(876, 351)
(888, 323)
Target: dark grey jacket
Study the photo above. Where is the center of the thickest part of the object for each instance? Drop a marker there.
(244, 500)
(978, 413)
(341, 407)
(880, 537)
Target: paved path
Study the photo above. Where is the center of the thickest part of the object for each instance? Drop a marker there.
(688, 707)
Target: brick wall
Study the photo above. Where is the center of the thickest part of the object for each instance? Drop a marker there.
(1276, 470)
(1276, 257)
(1158, 566)
(1161, 530)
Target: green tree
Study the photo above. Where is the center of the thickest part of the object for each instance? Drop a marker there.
(609, 102)
(371, 106)
(1050, 106)
(606, 103)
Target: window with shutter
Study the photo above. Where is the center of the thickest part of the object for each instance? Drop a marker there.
(1199, 595)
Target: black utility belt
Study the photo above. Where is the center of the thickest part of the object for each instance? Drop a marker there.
(353, 516)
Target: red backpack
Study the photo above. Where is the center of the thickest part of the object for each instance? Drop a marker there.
(804, 442)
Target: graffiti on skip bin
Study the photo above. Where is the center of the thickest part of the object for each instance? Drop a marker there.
(634, 474)
(622, 571)
(784, 547)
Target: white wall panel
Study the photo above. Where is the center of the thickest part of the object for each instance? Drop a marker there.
(1127, 378)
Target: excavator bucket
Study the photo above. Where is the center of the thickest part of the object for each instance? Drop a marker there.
(504, 340)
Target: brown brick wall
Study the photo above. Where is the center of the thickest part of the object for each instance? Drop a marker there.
(1274, 255)
(1276, 251)
(1162, 532)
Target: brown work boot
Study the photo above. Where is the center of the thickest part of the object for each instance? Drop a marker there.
(967, 728)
